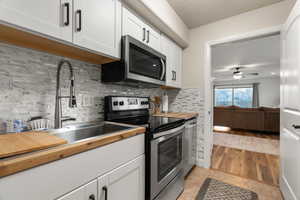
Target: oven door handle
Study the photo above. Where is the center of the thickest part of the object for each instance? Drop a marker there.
(164, 69)
(169, 132)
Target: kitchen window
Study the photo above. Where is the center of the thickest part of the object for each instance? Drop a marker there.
(241, 96)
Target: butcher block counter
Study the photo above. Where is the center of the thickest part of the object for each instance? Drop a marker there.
(179, 115)
(11, 165)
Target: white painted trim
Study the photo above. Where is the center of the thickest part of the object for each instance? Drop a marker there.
(286, 189)
(208, 107)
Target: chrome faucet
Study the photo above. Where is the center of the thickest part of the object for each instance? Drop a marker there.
(72, 99)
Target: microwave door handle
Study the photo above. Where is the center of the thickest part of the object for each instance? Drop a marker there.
(164, 69)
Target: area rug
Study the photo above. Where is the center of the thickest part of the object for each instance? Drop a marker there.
(216, 190)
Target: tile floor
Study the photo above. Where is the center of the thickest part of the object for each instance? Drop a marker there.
(198, 175)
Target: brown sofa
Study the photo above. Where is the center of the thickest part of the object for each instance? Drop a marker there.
(256, 119)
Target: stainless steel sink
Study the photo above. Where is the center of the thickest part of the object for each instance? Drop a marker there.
(79, 133)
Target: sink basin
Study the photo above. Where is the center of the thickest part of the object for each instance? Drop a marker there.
(75, 134)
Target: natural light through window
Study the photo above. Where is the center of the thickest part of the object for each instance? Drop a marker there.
(237, 96)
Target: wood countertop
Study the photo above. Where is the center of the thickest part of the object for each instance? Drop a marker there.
(179, 115)
(16, 164)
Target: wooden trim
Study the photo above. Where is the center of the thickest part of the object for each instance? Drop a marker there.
(168, 87)
(13, 165)
(28, 40)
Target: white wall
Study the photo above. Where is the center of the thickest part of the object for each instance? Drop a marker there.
(269, 89)
(193, 56)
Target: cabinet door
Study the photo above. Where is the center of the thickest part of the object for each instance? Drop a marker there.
(290, 164)
(178, 65)
(290, 106)
(125, 182)
(168, 48)
(45, 17)
(133, 26)
(98, 25)
(153, 38)
(86, 192)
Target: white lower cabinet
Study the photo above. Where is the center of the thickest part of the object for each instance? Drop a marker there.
(125, 182)
(86, 192)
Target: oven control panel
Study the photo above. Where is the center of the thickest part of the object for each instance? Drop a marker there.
(129, 103)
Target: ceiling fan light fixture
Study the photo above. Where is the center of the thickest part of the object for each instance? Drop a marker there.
(237, 76)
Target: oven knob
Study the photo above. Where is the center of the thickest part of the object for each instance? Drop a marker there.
(121, 103)
(115, 103)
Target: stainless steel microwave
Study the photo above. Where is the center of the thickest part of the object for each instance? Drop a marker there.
(139, 63)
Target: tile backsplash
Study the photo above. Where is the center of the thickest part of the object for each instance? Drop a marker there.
(28, 82)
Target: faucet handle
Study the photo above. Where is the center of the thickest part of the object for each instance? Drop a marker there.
(68, 118)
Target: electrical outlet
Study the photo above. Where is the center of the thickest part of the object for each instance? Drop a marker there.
(85, 100)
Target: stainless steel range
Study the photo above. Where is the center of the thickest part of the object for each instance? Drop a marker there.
(163, 142)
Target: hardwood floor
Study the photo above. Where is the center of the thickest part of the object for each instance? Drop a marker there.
(198, 175)
(273, 136)
(257, 166)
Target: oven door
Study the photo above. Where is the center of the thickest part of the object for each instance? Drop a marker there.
(166, 159)
(142, 62)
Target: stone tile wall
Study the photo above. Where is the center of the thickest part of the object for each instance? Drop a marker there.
(28, 82)
(190, 100)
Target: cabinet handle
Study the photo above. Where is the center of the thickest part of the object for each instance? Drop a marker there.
(144, 34)
(296, 126)
(173, 75)
(92, 197)
(78, 12)
(106, 191)
(148, 37)
(67, 6)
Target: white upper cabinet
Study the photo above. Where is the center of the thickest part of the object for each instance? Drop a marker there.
(153, 38)
(97, 25)
(174, 62)
(94, 24)
(125, 182)
(52, 18)
(86, 192)
(134, 26)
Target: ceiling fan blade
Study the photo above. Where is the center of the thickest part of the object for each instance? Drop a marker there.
(228, 68)
(252, 74)
(255, 65)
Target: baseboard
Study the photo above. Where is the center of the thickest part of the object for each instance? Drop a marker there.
(203, 163)
(286, 190)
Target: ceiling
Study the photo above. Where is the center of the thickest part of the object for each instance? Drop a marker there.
(195, 13)
(259, 55)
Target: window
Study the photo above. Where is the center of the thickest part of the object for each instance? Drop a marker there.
(241, 96)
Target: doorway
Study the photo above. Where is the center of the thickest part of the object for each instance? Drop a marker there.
(244, 141)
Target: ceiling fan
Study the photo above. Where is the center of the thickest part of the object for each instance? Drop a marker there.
(238, 74)
(232, 67)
